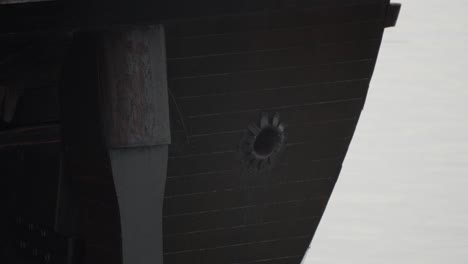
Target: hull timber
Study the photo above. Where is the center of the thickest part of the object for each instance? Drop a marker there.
(211, 134)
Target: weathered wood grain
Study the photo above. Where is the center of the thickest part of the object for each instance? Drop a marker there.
(133, 88)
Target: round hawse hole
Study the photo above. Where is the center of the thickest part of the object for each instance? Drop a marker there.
(266, 142)
(262, 142)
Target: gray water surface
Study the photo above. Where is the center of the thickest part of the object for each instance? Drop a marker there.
(402, 196)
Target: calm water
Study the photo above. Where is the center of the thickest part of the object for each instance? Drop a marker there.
(403, 193)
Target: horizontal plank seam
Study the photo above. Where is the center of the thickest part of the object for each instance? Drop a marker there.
(286, 29)
(337, 158)
(303, 124)
(283, 107)
(240, 244)
(291, 67)
(294, 219)
(314, 198)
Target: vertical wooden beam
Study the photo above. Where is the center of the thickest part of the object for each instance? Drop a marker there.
(135, 109)
(139, 178)
(135, 123)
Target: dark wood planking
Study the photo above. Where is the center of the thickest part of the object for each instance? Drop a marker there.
(313, 66)
(305, 113)
(244, 252)
(213, 7)
(248, 196)
(272, 78)
(189, 126)
(239, 235)
(277, 19)
(223, 220)
(229, 141)
(243, 185)
(309, 94)
(56, 15)
(244, 42)
(123, 12)
(231, 179)
(245, 215)
(30, 136)
(227, 160)
(265, 60)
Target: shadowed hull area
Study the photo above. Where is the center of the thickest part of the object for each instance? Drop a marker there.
(264, 98)
(312, 67)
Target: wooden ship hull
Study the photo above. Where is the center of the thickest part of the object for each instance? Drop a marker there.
(177, 132)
